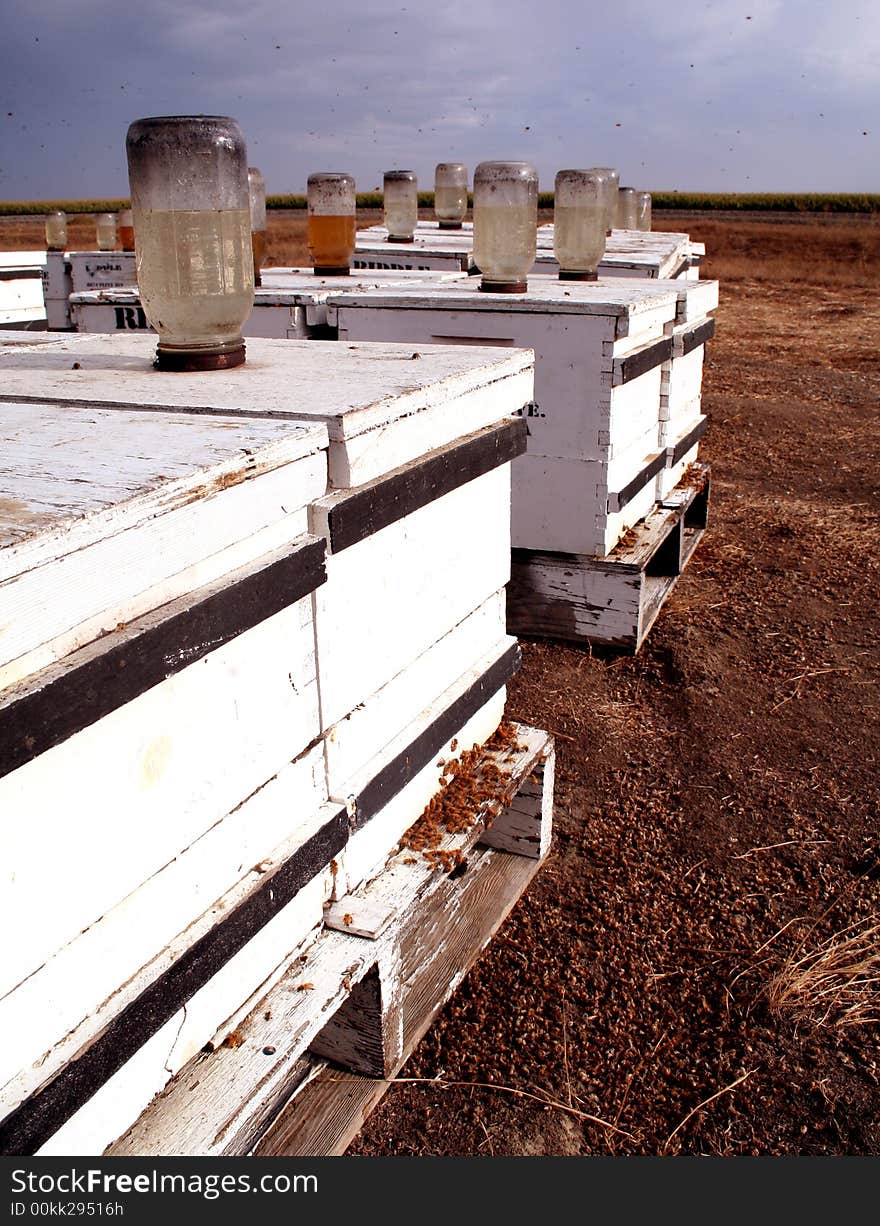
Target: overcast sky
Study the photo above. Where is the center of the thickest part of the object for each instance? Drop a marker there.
(721, 95)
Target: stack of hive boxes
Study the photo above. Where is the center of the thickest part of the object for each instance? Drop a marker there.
(629, 253)
(682, 421)
(248, 617)
(74, 272)
(290, 303)
(593, 447)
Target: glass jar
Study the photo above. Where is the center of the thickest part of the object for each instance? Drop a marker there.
(331, 225)
(579, 223)
(626, 208)
(643, 210)
(257, 197)
(125, 227)
(400, 198)
(105, 230)
(56, 231)
(450, 194)
(609, 191)
(505, 224)
(191, 212)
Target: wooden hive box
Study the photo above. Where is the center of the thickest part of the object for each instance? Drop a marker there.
(289, 305)
(68, 272)
(656, 254)
(682, 422)
(628, 253)
(410, 629)
(159, 737)
(21, 290)
(593, 449)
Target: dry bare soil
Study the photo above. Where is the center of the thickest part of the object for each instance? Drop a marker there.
(695, 968)
(696, 965)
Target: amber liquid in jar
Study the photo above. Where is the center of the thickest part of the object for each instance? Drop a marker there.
(194, 275)
(126, 238)
(331, 240)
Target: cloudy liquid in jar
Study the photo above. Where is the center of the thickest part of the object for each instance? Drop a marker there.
(578, 237)
(450, 204)
(330, 239)
(400, 219)
(504, 241)
(195, 272)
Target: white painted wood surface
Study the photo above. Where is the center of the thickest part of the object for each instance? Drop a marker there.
(57, 287)
(558, 503)
(368, 849)
(363, 733)
(223, 1100)
(116, 801)
(397, 256)
(97, 269)
(94, 535)
(62, 1006)
(519, 821)
(393, 595)
(628, 254)
(577, 330)
(21, 302)
(383, 405)
(590, 432)
(290, 303)
(129, 1091)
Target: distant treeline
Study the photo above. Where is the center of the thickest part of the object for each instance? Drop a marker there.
(782, 202)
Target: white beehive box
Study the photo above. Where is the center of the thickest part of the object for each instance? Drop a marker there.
(159, 733)
(658, 254)
(68, 272)
(427, 255)
(57, 287)
(593, 449)
(412, 654)
(653, 254)
(288, 305)
(21, 289)
(682, 421)
(100, 269)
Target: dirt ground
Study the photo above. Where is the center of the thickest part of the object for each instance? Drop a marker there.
(694, 970)
(716, 820)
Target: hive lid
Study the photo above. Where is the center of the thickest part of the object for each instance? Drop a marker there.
(353, 389)
(616, 296)
(291, 286)
(72, 473)
(107, 514)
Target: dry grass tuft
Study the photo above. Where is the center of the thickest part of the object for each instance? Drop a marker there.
(836, 984)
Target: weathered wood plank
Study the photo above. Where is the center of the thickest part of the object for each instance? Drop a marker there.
(64, 698)
(329, 1111)
(225, 1100)
(612, 600)
(350, 516)
(32, 1123)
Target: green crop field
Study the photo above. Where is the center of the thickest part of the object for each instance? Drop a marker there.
(781, 202)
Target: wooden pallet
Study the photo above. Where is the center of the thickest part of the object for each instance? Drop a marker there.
(301, 1072)
(611, 601)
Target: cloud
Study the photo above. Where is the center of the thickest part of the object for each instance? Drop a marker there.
(715, 94)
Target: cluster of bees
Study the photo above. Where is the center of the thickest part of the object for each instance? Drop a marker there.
(473, 786)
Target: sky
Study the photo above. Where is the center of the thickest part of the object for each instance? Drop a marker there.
(688, 95)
